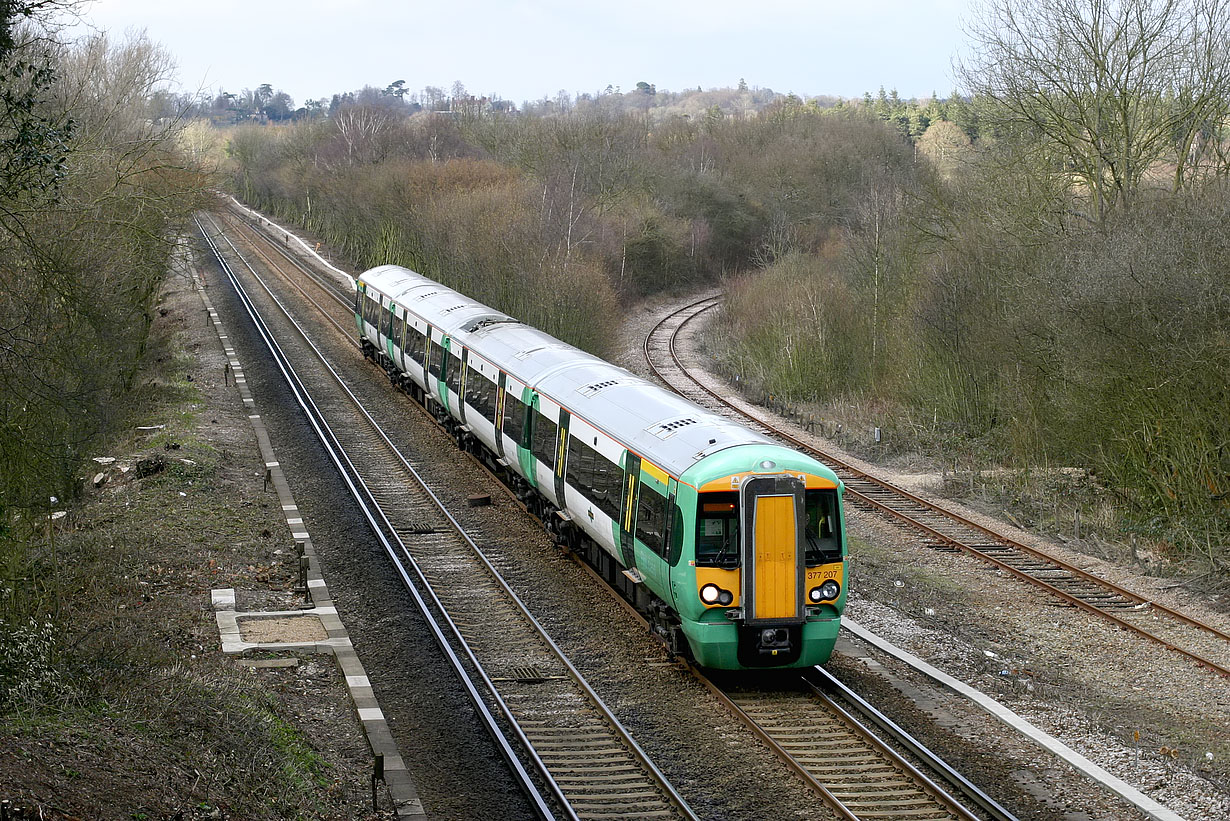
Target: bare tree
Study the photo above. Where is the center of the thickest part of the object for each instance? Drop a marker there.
(360, 127)
(1112, 87)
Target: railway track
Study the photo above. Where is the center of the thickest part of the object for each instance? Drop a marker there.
(820, 728)
(825, 743)
(946, 529)
(548, 722)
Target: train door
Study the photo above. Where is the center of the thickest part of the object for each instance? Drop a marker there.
(437, 357)
(421, 349)
(360, 293)
(402, 335)
(499, 416)
(651, 528)
(377, 320)
(389, 336)
(428, 352)
(525, 449)
(561, 455)
(454, 371)
(461, 384)
(443, 370)
(627, 511)
(771, 515)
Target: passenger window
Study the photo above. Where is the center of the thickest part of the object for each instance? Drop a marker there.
(651, 519)
(596, 477)
(454, 374)
(417, 345)
(544, 439)
(677, 534)
(480, 393)
(514, 418)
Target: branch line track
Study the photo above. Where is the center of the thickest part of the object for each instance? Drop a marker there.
(947, 529)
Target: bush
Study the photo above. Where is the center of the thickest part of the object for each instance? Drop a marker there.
(29, 675)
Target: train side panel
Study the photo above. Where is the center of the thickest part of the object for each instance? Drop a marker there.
(656, 484)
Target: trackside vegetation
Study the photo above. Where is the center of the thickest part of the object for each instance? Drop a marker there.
(108, 705)
(1051, 301)
(1022, 281)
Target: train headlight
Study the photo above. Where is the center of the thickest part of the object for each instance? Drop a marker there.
(725, 597)
(710, 594)
(824, 592)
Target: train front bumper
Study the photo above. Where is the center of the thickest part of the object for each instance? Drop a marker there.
(716, 644)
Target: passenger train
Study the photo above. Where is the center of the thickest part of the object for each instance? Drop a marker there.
(730, 544)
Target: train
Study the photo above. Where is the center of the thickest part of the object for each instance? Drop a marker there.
(731, 545)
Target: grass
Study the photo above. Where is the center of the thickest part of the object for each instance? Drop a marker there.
(126, 705)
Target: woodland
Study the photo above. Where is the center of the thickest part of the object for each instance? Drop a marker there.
(1026, 280)
(1022, 287)
(1025, 283)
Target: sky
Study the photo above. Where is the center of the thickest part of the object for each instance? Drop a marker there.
(528, 49)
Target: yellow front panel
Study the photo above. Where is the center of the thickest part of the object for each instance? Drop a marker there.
(776, 558)
(724, 579)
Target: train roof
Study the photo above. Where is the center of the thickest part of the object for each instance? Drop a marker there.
(661, 426)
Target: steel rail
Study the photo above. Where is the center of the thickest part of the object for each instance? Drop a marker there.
(781, 739)
(820, 679)
(703, 305)
(357, 490)
(671, 795)
(323, 283)
(946, 771)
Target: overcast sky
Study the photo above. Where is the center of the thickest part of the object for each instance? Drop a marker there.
(527, 49)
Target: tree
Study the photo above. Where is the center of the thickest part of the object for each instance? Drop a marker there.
(945, 143)
(361, 129)
(280, 106)
(432, 98)
(33, 140)
(81, 260)
(1105, 89)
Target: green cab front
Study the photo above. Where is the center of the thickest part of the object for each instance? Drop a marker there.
(760, 579)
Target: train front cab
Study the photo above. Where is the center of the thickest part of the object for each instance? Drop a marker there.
(769, 572)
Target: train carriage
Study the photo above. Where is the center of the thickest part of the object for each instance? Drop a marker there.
(732, 545)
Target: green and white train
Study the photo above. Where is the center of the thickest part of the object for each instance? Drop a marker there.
(732, 545)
